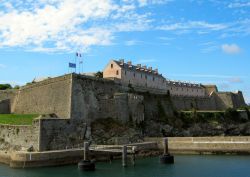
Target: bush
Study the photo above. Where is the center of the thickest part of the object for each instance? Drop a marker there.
(99, 74)
(5, 86)
(231, 114)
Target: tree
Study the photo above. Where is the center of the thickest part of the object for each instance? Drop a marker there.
(99, 74)
(16, 87)
(5, 86)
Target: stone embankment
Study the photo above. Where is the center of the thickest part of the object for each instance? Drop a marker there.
(207, 145)
(23, 159)
(153, 146)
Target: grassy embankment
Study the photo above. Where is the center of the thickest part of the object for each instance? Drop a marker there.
(17, 119)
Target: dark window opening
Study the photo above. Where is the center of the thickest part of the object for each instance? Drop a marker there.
(117, 72)
(111, 65)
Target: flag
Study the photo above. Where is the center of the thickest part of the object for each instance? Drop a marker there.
(80, 55)
(76, 54)
(72, 65)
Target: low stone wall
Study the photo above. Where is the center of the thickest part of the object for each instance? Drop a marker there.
(206, 145)
(57, 134)
(17, 137)
(43, 134)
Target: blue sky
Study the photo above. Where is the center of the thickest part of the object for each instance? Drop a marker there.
(203, 41)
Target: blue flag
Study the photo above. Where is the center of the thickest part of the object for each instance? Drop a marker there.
(72, 65)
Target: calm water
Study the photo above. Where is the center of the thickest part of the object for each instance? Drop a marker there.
(185, 166)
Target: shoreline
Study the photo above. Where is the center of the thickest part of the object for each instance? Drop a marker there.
(153, 147)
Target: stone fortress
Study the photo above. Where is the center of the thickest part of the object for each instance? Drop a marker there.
(125, 93)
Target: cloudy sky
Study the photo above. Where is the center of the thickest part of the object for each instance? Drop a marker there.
(204, 41)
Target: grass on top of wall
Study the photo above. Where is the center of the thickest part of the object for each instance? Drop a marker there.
(17, 119)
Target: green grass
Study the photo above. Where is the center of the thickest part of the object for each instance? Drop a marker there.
(17, 119)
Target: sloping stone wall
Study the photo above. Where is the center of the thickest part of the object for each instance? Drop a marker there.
(46, 97)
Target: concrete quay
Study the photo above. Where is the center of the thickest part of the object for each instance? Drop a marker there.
(153, 146)
(206, 145)
(23, 159)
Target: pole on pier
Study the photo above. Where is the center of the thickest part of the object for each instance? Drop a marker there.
(165, 145)
(86, 149)
(133, 155)
(166, 158)
(86, 164)
(124, 156)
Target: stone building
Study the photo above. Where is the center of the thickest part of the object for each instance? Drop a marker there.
(147, 77)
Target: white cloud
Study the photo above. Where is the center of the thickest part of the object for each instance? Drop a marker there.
(2, 66)
(64, 25)
(235, 80)
(146, 2)
(147, 61)
(230, 48)
(239, 4)
(131, 42)
(193, 25)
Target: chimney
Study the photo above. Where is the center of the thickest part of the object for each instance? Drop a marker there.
(138, 66)
(129, 63)
(144, 67)
(156, 71)
(121, 61)
(150, 69)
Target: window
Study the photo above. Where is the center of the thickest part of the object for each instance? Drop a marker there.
(134, 74)
(146, 77)
(153, 78)
(141, 75)
(111, 65)
(117, 72)
(125, 72)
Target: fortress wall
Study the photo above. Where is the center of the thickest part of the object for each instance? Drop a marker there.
(238, 100)
(89, 95)
(5, 107)
(58, 134)
(199, 103)
(10, 95)
(45, 97)
(19, 137)
(94, 98)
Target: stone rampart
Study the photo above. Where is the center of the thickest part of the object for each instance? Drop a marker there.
(19, 137)
(99, 98)
(199, 103)
(45, 97)
(44, 134)
(57, 134)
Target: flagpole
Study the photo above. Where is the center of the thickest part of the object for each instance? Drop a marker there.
(75, 60)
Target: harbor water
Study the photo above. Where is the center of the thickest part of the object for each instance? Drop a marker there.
(184, 166)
